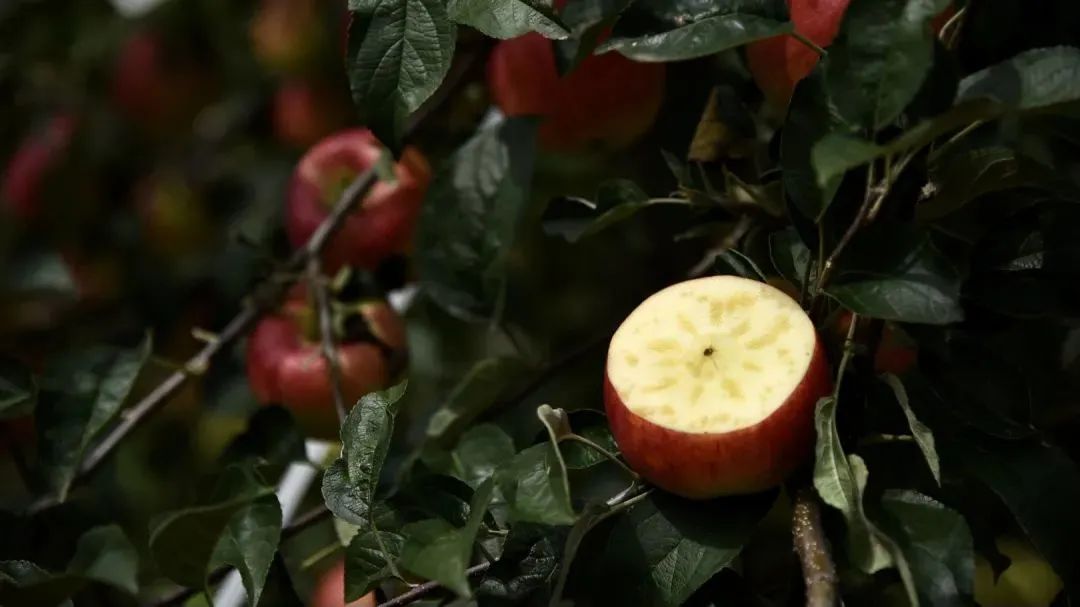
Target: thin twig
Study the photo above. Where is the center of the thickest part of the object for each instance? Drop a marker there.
(419, 592)
(317, 286)
(819, 573)
(809, 43)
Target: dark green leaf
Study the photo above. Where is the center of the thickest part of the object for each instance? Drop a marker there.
(477, 391)
(738, 264)
(881, 58)
(529, 562)
(674, 30)
(791, 257)
(366, 562)
(248, 544)
(81, 393)
(399, 53)
(924, 438)
(271, 436)
(587, 20)
(184, 542)
(896, 272)
(18, 390)
(36, 273)
(937, 544)
(810, 119)
(481, 450)
(618, 200)
(665, 548)
(103, 555)
(1033, 79)
(471, 215)
(508, 18)
(436, 550)
(840, 480)
(1039, 484)
(534, 485)
(593, 426)
(350, 482)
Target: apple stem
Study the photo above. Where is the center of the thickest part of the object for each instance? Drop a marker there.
(885, 439)
(809, 43)
(599, 449)
(819, 572)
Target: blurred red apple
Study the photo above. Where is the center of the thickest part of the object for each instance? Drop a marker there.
(27, 169)
(285, 34)
(155, 85)
(304, 112)
(608, 100)
(285, 364)
(383, 223)
(711, 386)
(330, 591)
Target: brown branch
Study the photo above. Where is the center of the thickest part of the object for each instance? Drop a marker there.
(819, 573)
(419, 592)
(317, 285)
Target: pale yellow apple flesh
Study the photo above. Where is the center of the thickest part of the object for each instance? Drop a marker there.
(711, 355)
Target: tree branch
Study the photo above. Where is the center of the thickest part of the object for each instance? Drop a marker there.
(317, 285)
(819, 573)
(419, 592)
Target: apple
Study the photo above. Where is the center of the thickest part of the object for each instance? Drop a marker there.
(305, 112)
(779, 63)
(173, 219)
(711, 385)
(608, 100)
(330, 591)
(156, 85)
(1028, 581)
(895, 353)
(383, 223)
(285, 364)
(285, 34)
(28, 168)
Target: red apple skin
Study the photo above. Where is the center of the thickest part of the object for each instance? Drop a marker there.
(158, 89)
(779, 63)
(707, 465)
(29, 166)
(287, 368)
(382, 225)
(608, 100)
(305, 112)
(330, 591)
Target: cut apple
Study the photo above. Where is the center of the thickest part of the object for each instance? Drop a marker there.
(711, 386)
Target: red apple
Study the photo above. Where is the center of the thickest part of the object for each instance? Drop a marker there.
(285, 364)
(711, 386)
(157, 86)
(285, 34)
(779, 63)
(895, 353)
(608, 99)
(330, 591)
(305, 112)
(27, 169)
(382, 225)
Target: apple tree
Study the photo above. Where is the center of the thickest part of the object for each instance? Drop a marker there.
(519, 302)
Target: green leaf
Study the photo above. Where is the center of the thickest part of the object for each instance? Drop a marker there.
(835, 153)
(588, 21)
(665, 548)
(897, 272)
(38, 272)
(810, 119)
(436, 550)
(186, 542)
(616, 201)
(840, 480)
(734, 263)
(534, 486)
(399, 52)
(675, 30)
(529, 562)
(271, 436)
(248, 544)
(366, 562)
(791, 258)
(471, 216)
(1041, 487)
(474, 394)
(81, 392)
(480, 451)
(350, 482)
(937, 544)
(924, 438)
(18, 390)
(879, 62)
(593, 426)
(103, 555)
(1033, 79)
(508, 18)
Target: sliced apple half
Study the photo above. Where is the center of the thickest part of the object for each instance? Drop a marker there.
(711, 385)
